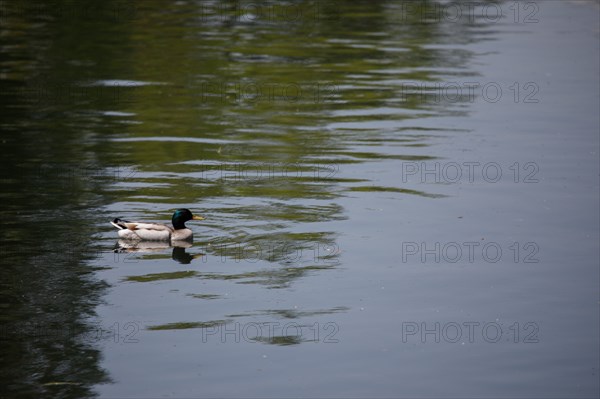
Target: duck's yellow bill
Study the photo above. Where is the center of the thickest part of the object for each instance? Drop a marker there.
(197, 217)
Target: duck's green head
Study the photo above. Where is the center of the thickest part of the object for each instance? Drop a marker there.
(181, 216)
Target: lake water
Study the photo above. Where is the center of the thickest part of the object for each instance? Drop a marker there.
(401, 199)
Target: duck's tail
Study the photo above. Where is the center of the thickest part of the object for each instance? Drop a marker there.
(119, 223)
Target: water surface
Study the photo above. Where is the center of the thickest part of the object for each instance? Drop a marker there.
(399, 202)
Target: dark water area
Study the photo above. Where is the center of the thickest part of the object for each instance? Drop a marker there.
(400, 199)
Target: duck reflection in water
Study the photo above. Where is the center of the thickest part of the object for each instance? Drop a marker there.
(179, 253)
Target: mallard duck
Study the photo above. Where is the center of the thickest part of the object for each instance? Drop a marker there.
(141, 231)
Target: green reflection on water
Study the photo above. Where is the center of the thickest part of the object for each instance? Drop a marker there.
(271, 278)
(161, 276)
(184, 325)
(395, 190)
(205, 296)
(281, 340)
(292, 313)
